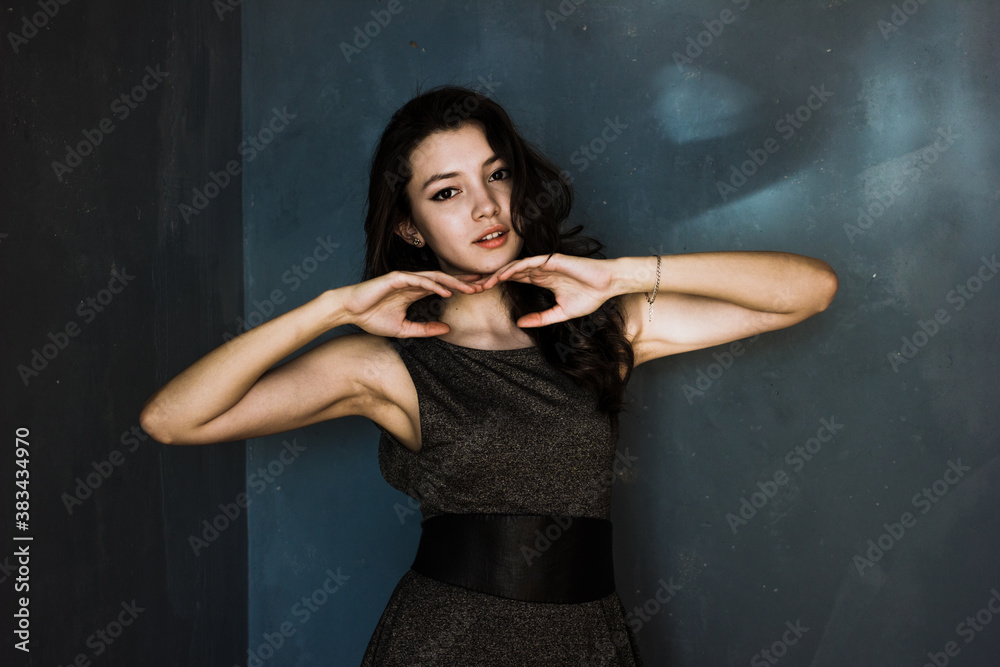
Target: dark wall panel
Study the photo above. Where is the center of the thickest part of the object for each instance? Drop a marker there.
(109, 292)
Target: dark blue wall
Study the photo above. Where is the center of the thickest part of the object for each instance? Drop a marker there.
(102, 275)
(886, 167)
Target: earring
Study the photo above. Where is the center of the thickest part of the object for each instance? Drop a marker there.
(417, 242)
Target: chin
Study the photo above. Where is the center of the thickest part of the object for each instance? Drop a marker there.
(494, 261)
(506, 258)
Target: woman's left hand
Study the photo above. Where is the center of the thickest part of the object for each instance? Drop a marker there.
(580, 284)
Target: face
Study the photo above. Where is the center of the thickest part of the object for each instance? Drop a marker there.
(459, 192)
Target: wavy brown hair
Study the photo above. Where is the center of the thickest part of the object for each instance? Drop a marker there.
(590, 349)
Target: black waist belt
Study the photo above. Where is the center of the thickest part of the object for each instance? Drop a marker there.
(563, 559)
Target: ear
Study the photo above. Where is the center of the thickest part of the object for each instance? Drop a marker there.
(406, 230)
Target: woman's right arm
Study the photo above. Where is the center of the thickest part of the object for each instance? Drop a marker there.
(233, 392)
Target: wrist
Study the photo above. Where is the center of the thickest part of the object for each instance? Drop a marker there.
(632, 275)
(331, 306)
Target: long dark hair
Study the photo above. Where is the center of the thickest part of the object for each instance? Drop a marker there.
(591, 349)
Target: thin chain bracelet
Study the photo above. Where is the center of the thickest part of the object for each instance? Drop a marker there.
(655, 288)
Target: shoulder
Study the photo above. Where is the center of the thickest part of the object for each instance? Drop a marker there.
(392, 402)
(376, 360)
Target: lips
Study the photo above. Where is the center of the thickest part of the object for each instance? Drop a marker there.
(495, 228)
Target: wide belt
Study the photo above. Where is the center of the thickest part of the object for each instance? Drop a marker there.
(528, 557)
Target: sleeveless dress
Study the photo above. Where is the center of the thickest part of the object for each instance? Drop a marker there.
(503, 432)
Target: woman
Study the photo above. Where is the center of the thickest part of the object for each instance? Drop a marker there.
(493, 351)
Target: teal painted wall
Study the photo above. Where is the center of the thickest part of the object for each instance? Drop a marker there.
(854, 132)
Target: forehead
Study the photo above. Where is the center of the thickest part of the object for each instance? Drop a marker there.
(451, 149)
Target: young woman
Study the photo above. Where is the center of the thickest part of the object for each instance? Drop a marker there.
(492, 350)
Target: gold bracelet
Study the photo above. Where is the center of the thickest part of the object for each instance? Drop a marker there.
(655, 288)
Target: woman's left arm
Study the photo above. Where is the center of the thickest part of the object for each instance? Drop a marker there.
(703, 299)
(710, 298)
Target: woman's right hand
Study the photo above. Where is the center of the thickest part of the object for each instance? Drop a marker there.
(379, 305)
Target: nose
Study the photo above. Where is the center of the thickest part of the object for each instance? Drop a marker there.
(486, 203)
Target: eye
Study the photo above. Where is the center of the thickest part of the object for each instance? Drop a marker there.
(504, 171)
(438, 197)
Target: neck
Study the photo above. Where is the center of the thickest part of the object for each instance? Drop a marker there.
(482, 319)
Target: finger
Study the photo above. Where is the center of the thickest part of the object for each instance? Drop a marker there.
(530, 276)
(432, 286)
(528, 321)
(531, 320)
(423, 329)
(493, 279)
(520, 265)
(525, 264)
(505, 272)
(459, 282)
(441, 276)
(482, 283)
(447, 277)
(543, 318)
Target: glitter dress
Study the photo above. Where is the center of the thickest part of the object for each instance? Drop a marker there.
(502, 432)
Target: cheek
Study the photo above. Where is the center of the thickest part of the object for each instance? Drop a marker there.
(516, 247)
(431, 224)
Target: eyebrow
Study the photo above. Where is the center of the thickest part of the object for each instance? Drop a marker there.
(452, 174)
